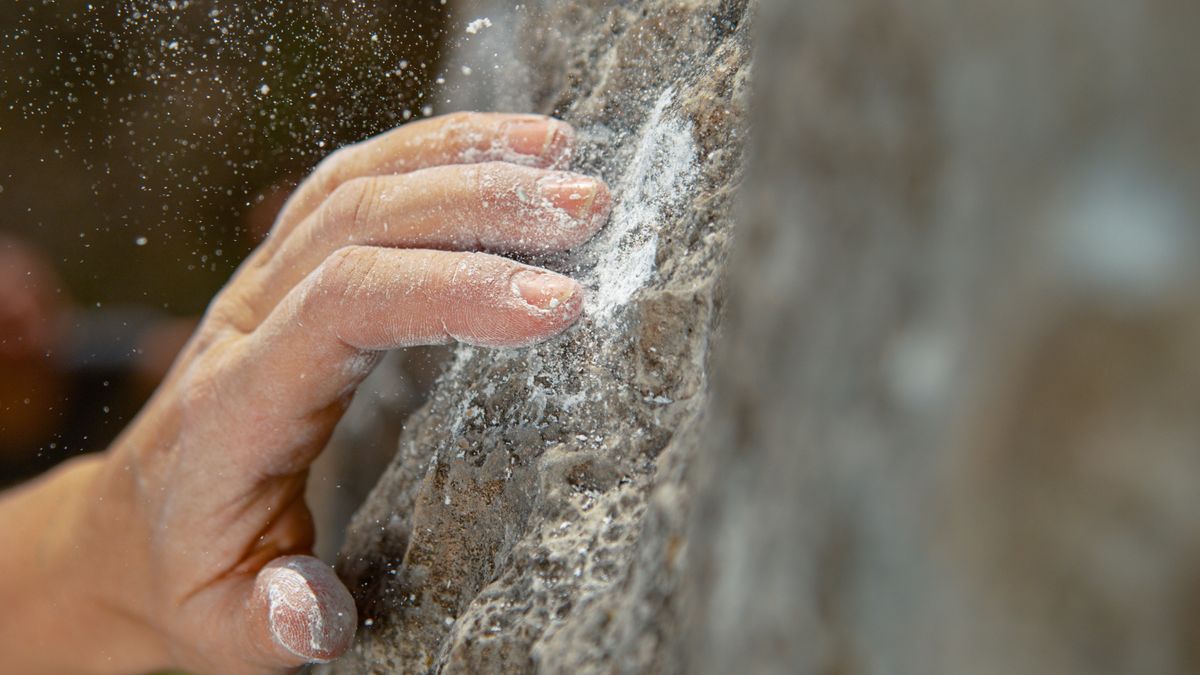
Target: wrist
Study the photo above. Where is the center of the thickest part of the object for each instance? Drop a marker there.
(70, 572)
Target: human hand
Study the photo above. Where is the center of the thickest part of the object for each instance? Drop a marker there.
(186, 544)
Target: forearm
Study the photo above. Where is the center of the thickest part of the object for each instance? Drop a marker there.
(57, 612)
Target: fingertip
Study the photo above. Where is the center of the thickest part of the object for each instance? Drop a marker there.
(310, 615)
(585, 199)
(545, 291)
(549, 302)
(527, 209)
(549, 141)
(509, 305)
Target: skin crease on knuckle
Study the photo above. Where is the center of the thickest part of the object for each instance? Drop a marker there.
(341, 211)
(323, 180)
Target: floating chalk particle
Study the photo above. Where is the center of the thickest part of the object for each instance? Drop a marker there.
(141, 241)
(478, 25)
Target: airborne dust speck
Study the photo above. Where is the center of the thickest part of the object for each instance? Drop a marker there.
(478, 25)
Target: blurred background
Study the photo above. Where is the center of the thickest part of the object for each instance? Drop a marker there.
(145, 148)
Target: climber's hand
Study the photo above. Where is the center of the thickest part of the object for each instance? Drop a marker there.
(186, 545)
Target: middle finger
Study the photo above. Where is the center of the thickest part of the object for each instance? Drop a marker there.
(495, 207)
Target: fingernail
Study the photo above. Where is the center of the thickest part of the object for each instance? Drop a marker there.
(570, 192)
(544, 290)
(539, 137)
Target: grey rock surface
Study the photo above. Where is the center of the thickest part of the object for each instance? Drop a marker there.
(936, 415)
(534, 515)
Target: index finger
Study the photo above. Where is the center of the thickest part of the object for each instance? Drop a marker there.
(459, 138)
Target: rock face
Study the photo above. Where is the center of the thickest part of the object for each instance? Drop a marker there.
(950, 422)
(534, 516)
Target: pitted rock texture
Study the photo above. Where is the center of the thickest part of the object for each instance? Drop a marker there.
(950, 425)
(535, 515)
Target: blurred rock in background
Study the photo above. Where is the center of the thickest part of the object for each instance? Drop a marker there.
(955, 428)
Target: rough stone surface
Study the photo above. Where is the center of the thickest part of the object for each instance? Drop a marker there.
(534, 516)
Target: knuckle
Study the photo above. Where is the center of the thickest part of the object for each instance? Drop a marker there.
(204, 384)
(473, 271)
(422, 266)
(339, 266)
(349, 207)
(337, 278)
(329, 169)
(481, 179)
(198, 390)
(493, 179)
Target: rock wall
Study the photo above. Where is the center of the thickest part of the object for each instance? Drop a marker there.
(948, 423)
(534, 515)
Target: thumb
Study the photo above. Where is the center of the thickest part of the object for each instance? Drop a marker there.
(299, 612)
